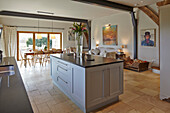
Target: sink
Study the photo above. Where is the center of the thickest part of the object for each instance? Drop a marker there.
(6, 70)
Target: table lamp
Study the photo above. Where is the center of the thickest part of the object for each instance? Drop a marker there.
(97, 45)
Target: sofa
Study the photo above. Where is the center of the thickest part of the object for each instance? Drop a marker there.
(104, 52)
(135, 65)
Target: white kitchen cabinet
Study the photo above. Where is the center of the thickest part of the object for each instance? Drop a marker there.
(88, 87)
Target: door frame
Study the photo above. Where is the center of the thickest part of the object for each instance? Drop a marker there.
(33, 32)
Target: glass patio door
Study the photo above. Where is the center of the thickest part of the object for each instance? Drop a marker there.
(25, 41)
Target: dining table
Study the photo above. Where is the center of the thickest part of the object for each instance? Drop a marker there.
(32, 53)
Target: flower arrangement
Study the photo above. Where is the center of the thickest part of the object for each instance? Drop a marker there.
(79, 28)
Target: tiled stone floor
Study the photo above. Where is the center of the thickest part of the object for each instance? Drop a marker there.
(141, 93)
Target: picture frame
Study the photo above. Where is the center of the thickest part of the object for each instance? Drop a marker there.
(148, 37)
(110, 36)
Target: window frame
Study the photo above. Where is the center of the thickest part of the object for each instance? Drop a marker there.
(48, 39)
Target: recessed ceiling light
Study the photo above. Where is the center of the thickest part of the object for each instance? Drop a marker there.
(141, 1)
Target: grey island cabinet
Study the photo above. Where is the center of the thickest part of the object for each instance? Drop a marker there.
(89, 84)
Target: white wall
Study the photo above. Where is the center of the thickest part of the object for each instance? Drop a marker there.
(165, 52)
(144, 22)
(125, 31)
(43, 23)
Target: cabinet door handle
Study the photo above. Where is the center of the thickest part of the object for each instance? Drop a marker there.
(62, 79)
(62, 68)
(62, 63)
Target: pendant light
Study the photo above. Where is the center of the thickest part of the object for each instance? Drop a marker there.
(52, 36)
(39, 36)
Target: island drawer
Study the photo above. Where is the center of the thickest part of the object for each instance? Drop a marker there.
(66, 75)
(64, 84)
(63, 70)
(63, 64)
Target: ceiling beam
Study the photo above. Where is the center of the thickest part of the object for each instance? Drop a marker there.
(151, 14)
(162, 3)
(39, 16)
(107, 4)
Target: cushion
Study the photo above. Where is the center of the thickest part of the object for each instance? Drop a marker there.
(107, 49)
(95, 51)
(111, 55)
(135, 64)
(103, 53)
(139, 61)
(127, 59)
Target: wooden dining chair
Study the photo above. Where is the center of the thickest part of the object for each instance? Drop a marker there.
(24, 60)
(38, 57)
(57, 50)
(47, 57)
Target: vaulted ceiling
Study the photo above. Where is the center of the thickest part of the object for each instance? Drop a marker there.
(67, 8)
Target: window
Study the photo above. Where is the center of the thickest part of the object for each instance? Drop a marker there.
(25, 42)
(55, 42)
(40, 44)
(28, 41)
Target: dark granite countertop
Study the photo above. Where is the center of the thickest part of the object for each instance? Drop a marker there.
(13, 99)
(98, 61)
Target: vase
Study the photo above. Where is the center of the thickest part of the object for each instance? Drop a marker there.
(79, 44)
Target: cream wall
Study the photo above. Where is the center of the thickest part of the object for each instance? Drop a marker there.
(43, 23)
(144, 22)
(125, 31)
(165, 52)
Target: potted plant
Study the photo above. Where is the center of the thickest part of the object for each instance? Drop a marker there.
(45, 48)
(78, 30)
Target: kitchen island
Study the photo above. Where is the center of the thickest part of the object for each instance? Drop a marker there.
(89, 84)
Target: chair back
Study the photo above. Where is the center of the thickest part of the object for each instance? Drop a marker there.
(38, 54)
(21, 55)
(57, 51)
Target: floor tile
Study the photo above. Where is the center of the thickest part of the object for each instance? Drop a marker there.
(43, 108)
(155, 110)
(141, 93)
(149, 92)
(140, 106)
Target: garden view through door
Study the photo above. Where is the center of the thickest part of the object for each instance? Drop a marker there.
(28, 42)
(40, 44)
(25, 43)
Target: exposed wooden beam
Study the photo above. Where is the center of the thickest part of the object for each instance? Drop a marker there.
(107, 4)
(135, 38)
(162, 3)
(151, 14)
(38, 16)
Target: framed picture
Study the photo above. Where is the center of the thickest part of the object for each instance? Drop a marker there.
(71, 35)
(148, 37)
(110, 35)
